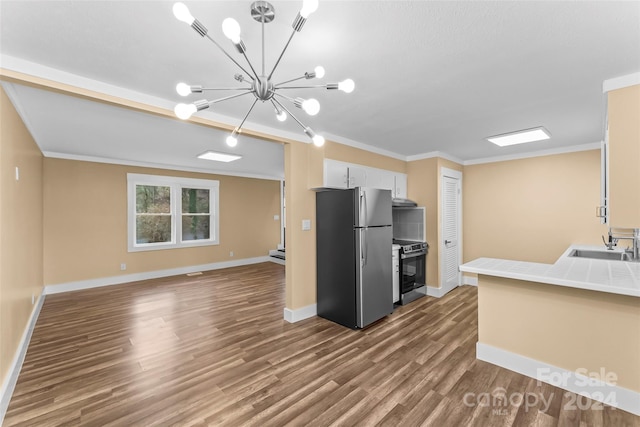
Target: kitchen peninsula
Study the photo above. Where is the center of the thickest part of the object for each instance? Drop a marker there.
(564, 322)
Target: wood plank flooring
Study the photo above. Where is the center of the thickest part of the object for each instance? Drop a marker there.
(215, 350)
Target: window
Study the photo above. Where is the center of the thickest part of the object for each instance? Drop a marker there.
(171, 212)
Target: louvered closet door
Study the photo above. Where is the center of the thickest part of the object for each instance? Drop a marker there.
(450, 230)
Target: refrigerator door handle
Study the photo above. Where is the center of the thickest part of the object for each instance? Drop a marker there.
(364, 197)
(364, 245)
(361, 212)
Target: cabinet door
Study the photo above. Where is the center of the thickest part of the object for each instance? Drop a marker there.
(357, 177)
(388, 181)
(380, 178)
(624, 157)
(335, 174)
(400, 185)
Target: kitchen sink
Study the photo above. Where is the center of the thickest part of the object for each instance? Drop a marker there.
(606, 255)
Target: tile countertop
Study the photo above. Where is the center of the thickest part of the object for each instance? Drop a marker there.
(616, 277)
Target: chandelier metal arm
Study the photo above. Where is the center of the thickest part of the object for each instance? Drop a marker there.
(224, 88)
(289, 81)
(281, 54)
(229, 56)
(250, 65)
(215, 101)
(303, 87)
(262, 25)
(237, 130)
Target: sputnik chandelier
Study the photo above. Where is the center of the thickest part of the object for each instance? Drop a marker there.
(260, 85)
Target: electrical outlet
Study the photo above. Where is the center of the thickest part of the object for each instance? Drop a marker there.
(123, 266)
(276, 217)
(231, 253)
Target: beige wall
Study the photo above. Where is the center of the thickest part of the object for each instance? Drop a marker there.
(345, 153)
(424, 188)
(20, 230)
(564, 327)
(531, 209)
(624, 157)
(303, 170)
(85, 222)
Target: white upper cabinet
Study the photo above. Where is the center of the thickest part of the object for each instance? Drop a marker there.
(357, 177)
(400, 188)
(346, 175)
(336, 174)
(380, 178)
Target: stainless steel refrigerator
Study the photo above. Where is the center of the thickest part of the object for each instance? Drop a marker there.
(354, 245)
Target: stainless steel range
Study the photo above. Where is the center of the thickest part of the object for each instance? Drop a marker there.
(413, 269)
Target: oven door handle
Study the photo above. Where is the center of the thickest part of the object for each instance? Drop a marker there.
(412, 255)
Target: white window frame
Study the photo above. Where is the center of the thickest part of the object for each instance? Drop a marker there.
(176, 184)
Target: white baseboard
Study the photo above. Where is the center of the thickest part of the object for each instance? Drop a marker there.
(439, 292)
(470, 280)
(277, 260)
(293, 316)
(620, 397)
(126, 278)
(10, 380)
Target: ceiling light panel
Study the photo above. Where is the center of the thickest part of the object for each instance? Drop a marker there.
(219, 157)
(520, 137)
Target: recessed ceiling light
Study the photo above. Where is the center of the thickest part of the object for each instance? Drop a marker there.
(219, 157)
(520, 137)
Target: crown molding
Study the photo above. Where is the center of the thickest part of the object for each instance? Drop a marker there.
(370, 148)
(433, 154)
(66, 156)
(541, 153)
(621, 82)
(41, 75)
(39, 71)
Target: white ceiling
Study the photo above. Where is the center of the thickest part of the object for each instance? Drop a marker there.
(430, 76)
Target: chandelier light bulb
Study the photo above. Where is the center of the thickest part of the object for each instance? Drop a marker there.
(319, 70)
(181, 12)
(347, 86)
(308, 7)
(318, 140)
(281, 115)
(183, 89)
(311, 106)
(184, 111)
(232, 141)
(231, 30)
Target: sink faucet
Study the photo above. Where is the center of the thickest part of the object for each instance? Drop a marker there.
(611, 243)
(629, 234)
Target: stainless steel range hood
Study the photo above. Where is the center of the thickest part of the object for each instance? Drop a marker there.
(397, 202)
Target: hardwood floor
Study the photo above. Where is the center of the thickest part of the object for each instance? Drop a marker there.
(215, 350)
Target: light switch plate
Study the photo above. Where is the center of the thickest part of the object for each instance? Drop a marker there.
(276, 217)
(306, 224)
